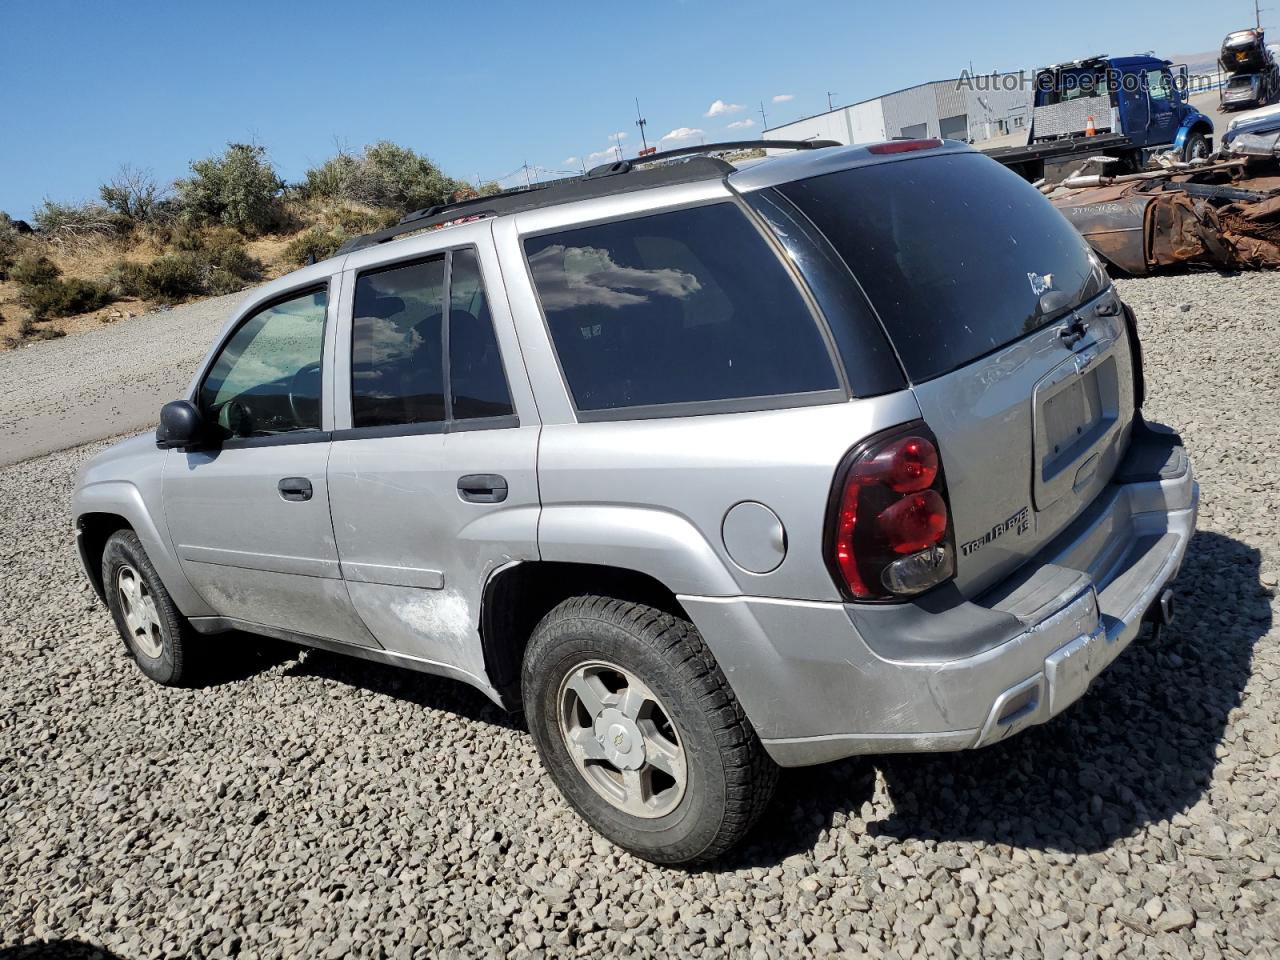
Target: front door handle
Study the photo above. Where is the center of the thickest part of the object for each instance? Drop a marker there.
(295, 489)
(482, 488)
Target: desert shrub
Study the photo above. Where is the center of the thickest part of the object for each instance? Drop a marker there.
(173, 278)
(134, 195)
(127, 278)
(34, 271)
(65, 298)
(78, 219)
(228, 266)
(384, 174)
(8, 250)
(222, 266)
(238, 189)
(354, 222)
(315, 243)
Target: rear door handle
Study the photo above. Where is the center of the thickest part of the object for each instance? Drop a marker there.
(295, 489)
(482, 488)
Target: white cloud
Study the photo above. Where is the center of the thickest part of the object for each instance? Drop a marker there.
(784, 97)
(608, 154)
(569, 277)
(684, 133)
(720, 107)
(569, 161)
(620, 135)
(742, 124)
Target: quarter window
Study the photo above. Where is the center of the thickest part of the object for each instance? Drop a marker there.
(266, 380)
(683, 307)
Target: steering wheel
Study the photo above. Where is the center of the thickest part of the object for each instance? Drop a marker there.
(297, 384)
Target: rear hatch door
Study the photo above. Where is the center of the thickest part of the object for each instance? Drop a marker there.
(1007, 328)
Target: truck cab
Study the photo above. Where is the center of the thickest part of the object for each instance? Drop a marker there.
(1126, 108)
(1138, 97)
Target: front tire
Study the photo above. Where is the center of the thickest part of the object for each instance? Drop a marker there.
(640, 731)
(1196, 148)
(156, 634)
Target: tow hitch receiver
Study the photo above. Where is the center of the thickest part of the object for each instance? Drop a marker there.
(1160, 613)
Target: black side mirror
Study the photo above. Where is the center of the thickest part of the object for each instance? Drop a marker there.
(180, 425)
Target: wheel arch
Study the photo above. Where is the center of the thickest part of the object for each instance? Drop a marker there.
(517, 596)
(92, 532)
(1198, 124)
(112, 505)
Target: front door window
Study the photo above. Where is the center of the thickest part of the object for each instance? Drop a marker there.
(266, 380)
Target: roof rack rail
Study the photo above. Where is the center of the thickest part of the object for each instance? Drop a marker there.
(626, 166)
(597, 182)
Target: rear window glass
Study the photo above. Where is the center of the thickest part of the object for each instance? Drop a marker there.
(680, 307)
(958, 255)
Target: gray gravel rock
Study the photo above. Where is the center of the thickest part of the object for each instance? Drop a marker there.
(307, 805)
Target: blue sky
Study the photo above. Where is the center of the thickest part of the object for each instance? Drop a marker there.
(484, 87)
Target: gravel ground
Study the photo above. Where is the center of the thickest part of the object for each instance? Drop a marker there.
(66, 392)
(308, 805)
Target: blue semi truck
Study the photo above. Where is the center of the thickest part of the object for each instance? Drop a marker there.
(1126, 108)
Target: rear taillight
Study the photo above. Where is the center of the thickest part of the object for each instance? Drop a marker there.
(889, 533)
(904, 146)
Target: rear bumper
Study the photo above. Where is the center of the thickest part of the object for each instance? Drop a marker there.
(819, 681)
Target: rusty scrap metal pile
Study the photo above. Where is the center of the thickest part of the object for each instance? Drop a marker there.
(1223, 213)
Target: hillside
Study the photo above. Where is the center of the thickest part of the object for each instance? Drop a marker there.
(144, 246)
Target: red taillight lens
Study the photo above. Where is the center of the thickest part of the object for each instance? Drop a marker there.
(908, 465)
(904, 146)
(914, 522)
(889, 535)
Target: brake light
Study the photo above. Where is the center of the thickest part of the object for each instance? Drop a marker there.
(903, 146)
(889, 534)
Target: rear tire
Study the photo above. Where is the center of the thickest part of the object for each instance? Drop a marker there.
(155, 633)
(640, 731)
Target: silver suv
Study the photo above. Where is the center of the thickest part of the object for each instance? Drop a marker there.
(707, 468)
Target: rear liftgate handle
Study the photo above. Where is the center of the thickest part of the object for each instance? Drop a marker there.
(295, 489)
(482, 488)
(1074, 332)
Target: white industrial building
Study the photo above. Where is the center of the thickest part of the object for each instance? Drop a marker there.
(978, 108)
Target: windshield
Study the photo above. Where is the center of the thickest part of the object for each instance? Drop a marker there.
(958, 255)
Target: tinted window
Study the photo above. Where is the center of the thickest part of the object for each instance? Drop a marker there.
(476, 380)
(958, 255)
(266, 380)
(680, 307)
(397, 373)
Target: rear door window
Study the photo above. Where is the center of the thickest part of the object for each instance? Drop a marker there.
(397, 368)
(691, 306)
(958, 255)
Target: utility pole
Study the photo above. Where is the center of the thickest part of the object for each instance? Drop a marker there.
(527, 182)
(640, 122)
(763, 119)
(617, 144)
(830, 94)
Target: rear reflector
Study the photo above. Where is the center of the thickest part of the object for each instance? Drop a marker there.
(904, 146)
